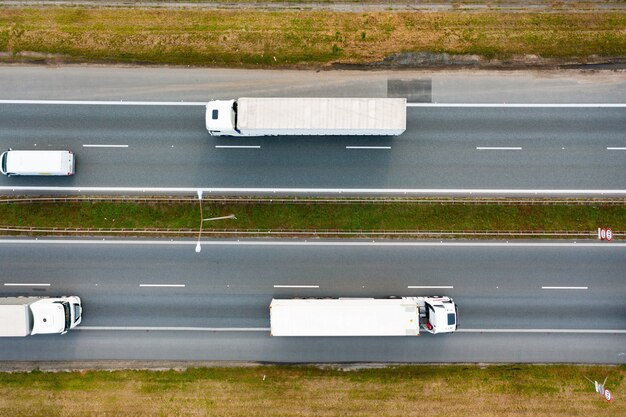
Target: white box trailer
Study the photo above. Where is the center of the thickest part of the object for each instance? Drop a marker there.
(306, 116)
(402, 316)
(23, 316)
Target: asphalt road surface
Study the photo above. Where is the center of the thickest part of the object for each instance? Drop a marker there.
(520, 302)
(154, 83)
(578, 149)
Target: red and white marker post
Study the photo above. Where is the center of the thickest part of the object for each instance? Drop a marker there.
(605, 234)
(601, 390)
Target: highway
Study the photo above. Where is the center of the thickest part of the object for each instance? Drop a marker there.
(159, 299)
(450, 150)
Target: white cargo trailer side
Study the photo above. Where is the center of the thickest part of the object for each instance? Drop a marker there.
(345, 317)
(15, 320)
(306, 116)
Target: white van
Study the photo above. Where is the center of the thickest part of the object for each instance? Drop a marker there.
(37, 163)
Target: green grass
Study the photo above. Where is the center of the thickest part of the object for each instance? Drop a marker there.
(248, 38)
(425, 390)
(553, 4)
(320, 216)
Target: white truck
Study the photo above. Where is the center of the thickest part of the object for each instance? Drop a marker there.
(396, 316)
(23, 316)
(306, 116)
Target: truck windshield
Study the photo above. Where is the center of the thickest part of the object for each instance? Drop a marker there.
(68, 315)
(77, 312)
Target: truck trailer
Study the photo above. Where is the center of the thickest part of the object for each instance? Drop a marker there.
(395, 316)
(23, 316)
(306, 116)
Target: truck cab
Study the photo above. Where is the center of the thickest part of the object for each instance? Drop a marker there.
(56, 315)
(440, 314)
(221, 118)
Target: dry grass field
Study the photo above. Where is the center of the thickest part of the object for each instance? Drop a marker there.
(455, 390)
(256, 38)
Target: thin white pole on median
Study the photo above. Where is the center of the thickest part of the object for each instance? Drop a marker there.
(230, 216)
(198, 247)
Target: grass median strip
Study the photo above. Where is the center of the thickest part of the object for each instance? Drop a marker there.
(366, 216)
(286, 38)
(482, 391)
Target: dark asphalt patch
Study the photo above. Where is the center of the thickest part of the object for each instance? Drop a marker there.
(415, 90)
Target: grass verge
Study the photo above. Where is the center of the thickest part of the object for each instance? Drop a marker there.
(259, 38)
(499, 390)
(371, 216)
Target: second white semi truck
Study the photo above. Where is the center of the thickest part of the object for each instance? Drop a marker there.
(306, 116)
(401, 316)
(23, 316)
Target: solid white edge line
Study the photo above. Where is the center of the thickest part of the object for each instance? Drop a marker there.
(204, 103)
(385, 191)
(10, 284)
(192, 329)
(521, 105)
(424, 287)
(615, 148)
(499, 148)
(368, 147)
(267, 329)
(564, 288)
(163, 285)
(104, 146)
(237, 146)
(296, 286)
(589, 244)
(591, 331)
(108, 103)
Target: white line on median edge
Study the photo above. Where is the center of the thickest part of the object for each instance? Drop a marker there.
(8, 284)
(521, 105)
(107, 103)
(163, 285)
(237, 146)
(104, 146)
(498, 148)
(368, 147)
(296, 286)
(203, 103)
(564, 288)
(425, 287)
(591, 331)
(589, 244)
(267, 329)
(615, 148)
(189, 329)
(332, 191)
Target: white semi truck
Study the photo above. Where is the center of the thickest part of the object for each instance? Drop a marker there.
(306, 116)
(398, 316)
(23, 316)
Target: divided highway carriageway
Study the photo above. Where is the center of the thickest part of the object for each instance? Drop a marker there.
(447, 149)
(518, 302)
